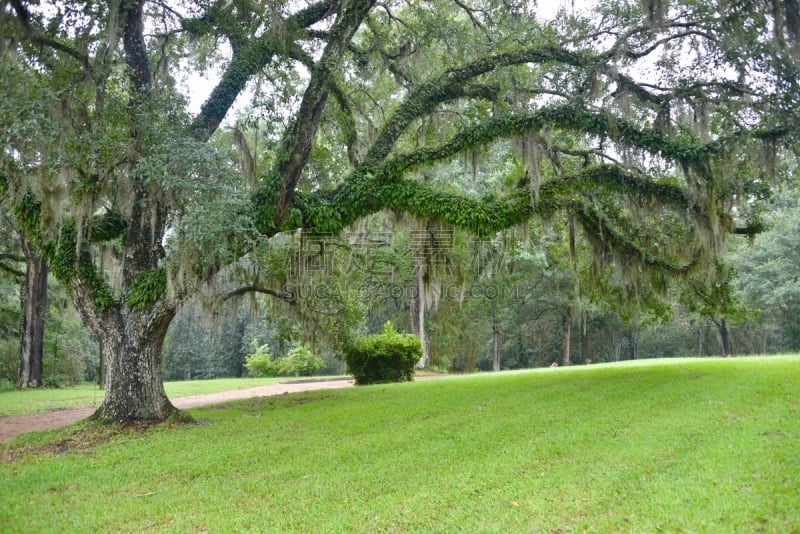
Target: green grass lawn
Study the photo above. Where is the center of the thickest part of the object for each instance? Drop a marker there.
(705, 445)
(16, 402)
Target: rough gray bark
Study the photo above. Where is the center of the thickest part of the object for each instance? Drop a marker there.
(567, 336)
(132, 335)
(133, 341)
(417, 311)
(35, 312)
(495, 342)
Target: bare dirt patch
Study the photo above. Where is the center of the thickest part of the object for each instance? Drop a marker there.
(13, 426)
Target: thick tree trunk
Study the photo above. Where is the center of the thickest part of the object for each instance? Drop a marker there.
(134, 390)
(132, 341)
(35, 312)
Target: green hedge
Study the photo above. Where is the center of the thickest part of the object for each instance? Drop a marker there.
(387, 357)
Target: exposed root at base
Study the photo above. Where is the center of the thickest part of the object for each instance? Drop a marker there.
(84, 435)
(106, 416)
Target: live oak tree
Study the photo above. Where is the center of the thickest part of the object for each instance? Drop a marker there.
(136, 209)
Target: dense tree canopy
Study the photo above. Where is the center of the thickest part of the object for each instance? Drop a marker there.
(652, 126)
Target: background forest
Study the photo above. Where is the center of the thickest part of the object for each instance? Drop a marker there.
(506, 303)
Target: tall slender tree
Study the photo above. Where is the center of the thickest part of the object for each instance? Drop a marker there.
(33, 319)
(29, 270)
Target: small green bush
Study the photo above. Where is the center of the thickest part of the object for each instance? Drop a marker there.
(9, 361)
(300, 362)
(387, 357)
(259, 364)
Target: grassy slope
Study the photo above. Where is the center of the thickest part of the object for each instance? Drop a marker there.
(16, 402)
(690, 445)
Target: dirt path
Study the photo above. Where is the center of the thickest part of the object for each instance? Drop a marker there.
(13, 426)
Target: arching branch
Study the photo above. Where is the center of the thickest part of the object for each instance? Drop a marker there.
(70, 263)
(628, 249)
(245, 63)
(571, 117)
(424, 98)
(24, 18)
(10, 269)
(298, 139)
(254, 288)
(348, 125)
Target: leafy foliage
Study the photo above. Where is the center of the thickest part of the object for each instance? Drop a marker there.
(147, 289)
(300, 361)
(768, 270)
(259, 363)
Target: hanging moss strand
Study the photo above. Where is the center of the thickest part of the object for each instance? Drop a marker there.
(68, 261)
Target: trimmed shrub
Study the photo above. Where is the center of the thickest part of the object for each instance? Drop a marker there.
(387, 357)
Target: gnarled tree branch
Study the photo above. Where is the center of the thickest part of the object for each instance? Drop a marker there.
(297, 140)
(255, 288)
(245, 63)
